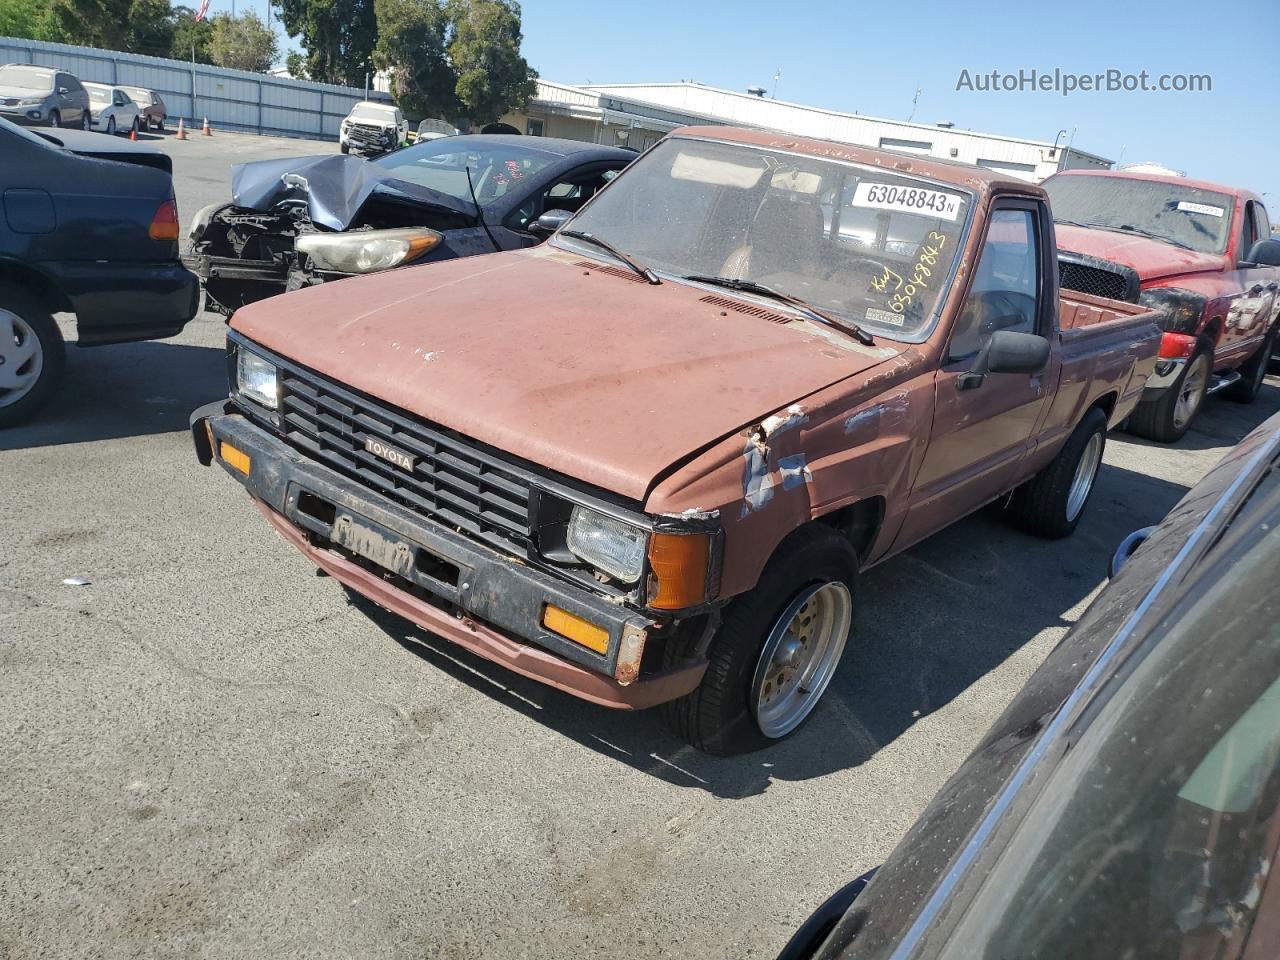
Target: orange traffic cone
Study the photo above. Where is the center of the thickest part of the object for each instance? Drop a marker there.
(182, 130)
(133, 132)
(206, 131)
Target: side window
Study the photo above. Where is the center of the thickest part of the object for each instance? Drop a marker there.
(568, 194)
(1262, 226)
(1004, 293)
(1247, 232)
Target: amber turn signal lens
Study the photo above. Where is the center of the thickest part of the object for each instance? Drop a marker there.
(164, 225)
(679, 564)
(575, 628)
(236, 458)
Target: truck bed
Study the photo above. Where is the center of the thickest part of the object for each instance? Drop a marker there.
(1077, 310)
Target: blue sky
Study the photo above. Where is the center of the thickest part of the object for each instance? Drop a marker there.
(871, 58)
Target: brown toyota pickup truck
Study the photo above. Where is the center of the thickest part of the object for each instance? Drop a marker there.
(645, 462)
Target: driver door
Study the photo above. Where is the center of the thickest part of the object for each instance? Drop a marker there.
(982, 433)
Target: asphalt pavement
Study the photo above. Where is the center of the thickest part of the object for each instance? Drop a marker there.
(207, 751)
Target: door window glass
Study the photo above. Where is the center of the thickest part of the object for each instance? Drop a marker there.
(1003, 293)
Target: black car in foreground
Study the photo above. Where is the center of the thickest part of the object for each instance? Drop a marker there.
(306, 220)
(1127, 803)
(88, 226)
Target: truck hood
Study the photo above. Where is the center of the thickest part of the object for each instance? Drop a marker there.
(534, 352)
(333, 187)
(1151, 259)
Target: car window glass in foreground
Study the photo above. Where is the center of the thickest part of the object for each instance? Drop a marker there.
(1155, 835)
(1199, 219)
(872, 246)
(26, 79)
(443, 165)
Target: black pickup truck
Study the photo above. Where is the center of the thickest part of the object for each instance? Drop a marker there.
(88, 226)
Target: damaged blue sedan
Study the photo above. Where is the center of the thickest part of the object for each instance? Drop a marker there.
(301, 221)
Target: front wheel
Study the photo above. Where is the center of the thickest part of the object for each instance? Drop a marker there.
(111, 126)
(1167, 418)
(776, 650)
(344, 148)
(55, 119)
(31, 355)
(1052, 502)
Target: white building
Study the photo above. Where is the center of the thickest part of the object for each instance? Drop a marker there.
(638, 114)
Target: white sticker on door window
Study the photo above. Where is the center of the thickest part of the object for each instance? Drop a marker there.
(1206, 209)
(918, 200)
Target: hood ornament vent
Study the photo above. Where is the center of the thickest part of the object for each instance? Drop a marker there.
(749, 309)
(622, 272)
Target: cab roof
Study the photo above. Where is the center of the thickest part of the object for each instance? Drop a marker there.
(948, 171)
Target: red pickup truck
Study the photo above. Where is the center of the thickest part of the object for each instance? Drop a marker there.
(645, 462)
(1201, 254)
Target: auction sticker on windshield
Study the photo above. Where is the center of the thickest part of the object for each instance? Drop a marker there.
(888, 196)
(1206, 209)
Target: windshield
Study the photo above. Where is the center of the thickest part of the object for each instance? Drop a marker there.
(1199, 219)
(370, 111)
(1154, 835)
(443, 164)
(873, 247)
(99, 94)
(26, 79)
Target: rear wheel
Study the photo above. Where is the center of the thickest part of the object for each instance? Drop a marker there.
(1252, 373)
(776, 650)
(32, 355)
(1052, 502)
(1167, 417)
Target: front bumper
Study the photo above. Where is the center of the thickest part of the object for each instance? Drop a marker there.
(25, 116)
(1163, 377)
(486, 603)
(121, 302)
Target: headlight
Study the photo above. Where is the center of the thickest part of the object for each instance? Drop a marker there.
(256, 379)
(201, 220)
(610, 545)
(367, 251)
(31, 102)
(1182, 309)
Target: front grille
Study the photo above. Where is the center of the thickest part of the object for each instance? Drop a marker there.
(1101, 278)
(367, 133)
(452, 482)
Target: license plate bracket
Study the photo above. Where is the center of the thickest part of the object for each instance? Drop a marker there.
(367, 540)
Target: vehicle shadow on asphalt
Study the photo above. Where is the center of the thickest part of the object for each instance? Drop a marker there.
(931, 622)
(125, 390)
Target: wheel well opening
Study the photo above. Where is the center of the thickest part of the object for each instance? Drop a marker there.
(1213, 330)
(1106, 403)
(860, 522)
(36, 284)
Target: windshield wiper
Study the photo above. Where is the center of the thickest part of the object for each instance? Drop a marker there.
(1130, 228)
(750, 286)
(610, 249)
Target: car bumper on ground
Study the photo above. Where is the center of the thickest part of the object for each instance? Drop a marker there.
(486, 603)
(125, 302)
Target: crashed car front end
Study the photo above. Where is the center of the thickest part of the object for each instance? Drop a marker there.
(369, 139)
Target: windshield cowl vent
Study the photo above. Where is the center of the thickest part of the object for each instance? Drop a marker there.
(747, 308)
(621, 272)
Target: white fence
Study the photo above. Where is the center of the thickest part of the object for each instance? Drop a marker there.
(231, 99)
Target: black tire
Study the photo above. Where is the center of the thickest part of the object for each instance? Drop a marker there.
(52, 357)
(86, 120)
(1041, 505)
(718, 717)
(344, 148)
(1156, 420)
(1252, 373)
(111, 126)
(55, 119)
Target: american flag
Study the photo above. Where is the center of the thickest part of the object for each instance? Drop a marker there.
(204, 9)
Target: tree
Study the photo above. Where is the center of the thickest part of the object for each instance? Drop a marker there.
(92, 23)
(29, 19)
(242, 43)
(189, 34)
(150, 29)
(337, 35)
(296, 64)
(457, 59)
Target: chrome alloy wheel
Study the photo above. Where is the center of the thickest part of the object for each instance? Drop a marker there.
(1191, 392)
(1086, 473)
(800, 656)
(21, 358)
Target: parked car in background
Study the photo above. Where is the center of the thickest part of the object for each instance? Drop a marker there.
(89, 227)
(434, 130)
(646, 462)
(152, 111)
(372, 128)
(113, 109)
(34, 95)
(1127, 803)
(297, 222)
(1202, 254)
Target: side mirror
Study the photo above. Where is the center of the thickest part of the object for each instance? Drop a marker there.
(550, 222)
(1126, 549)
(1007, 352)
(63, 91)
(1265, 252)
